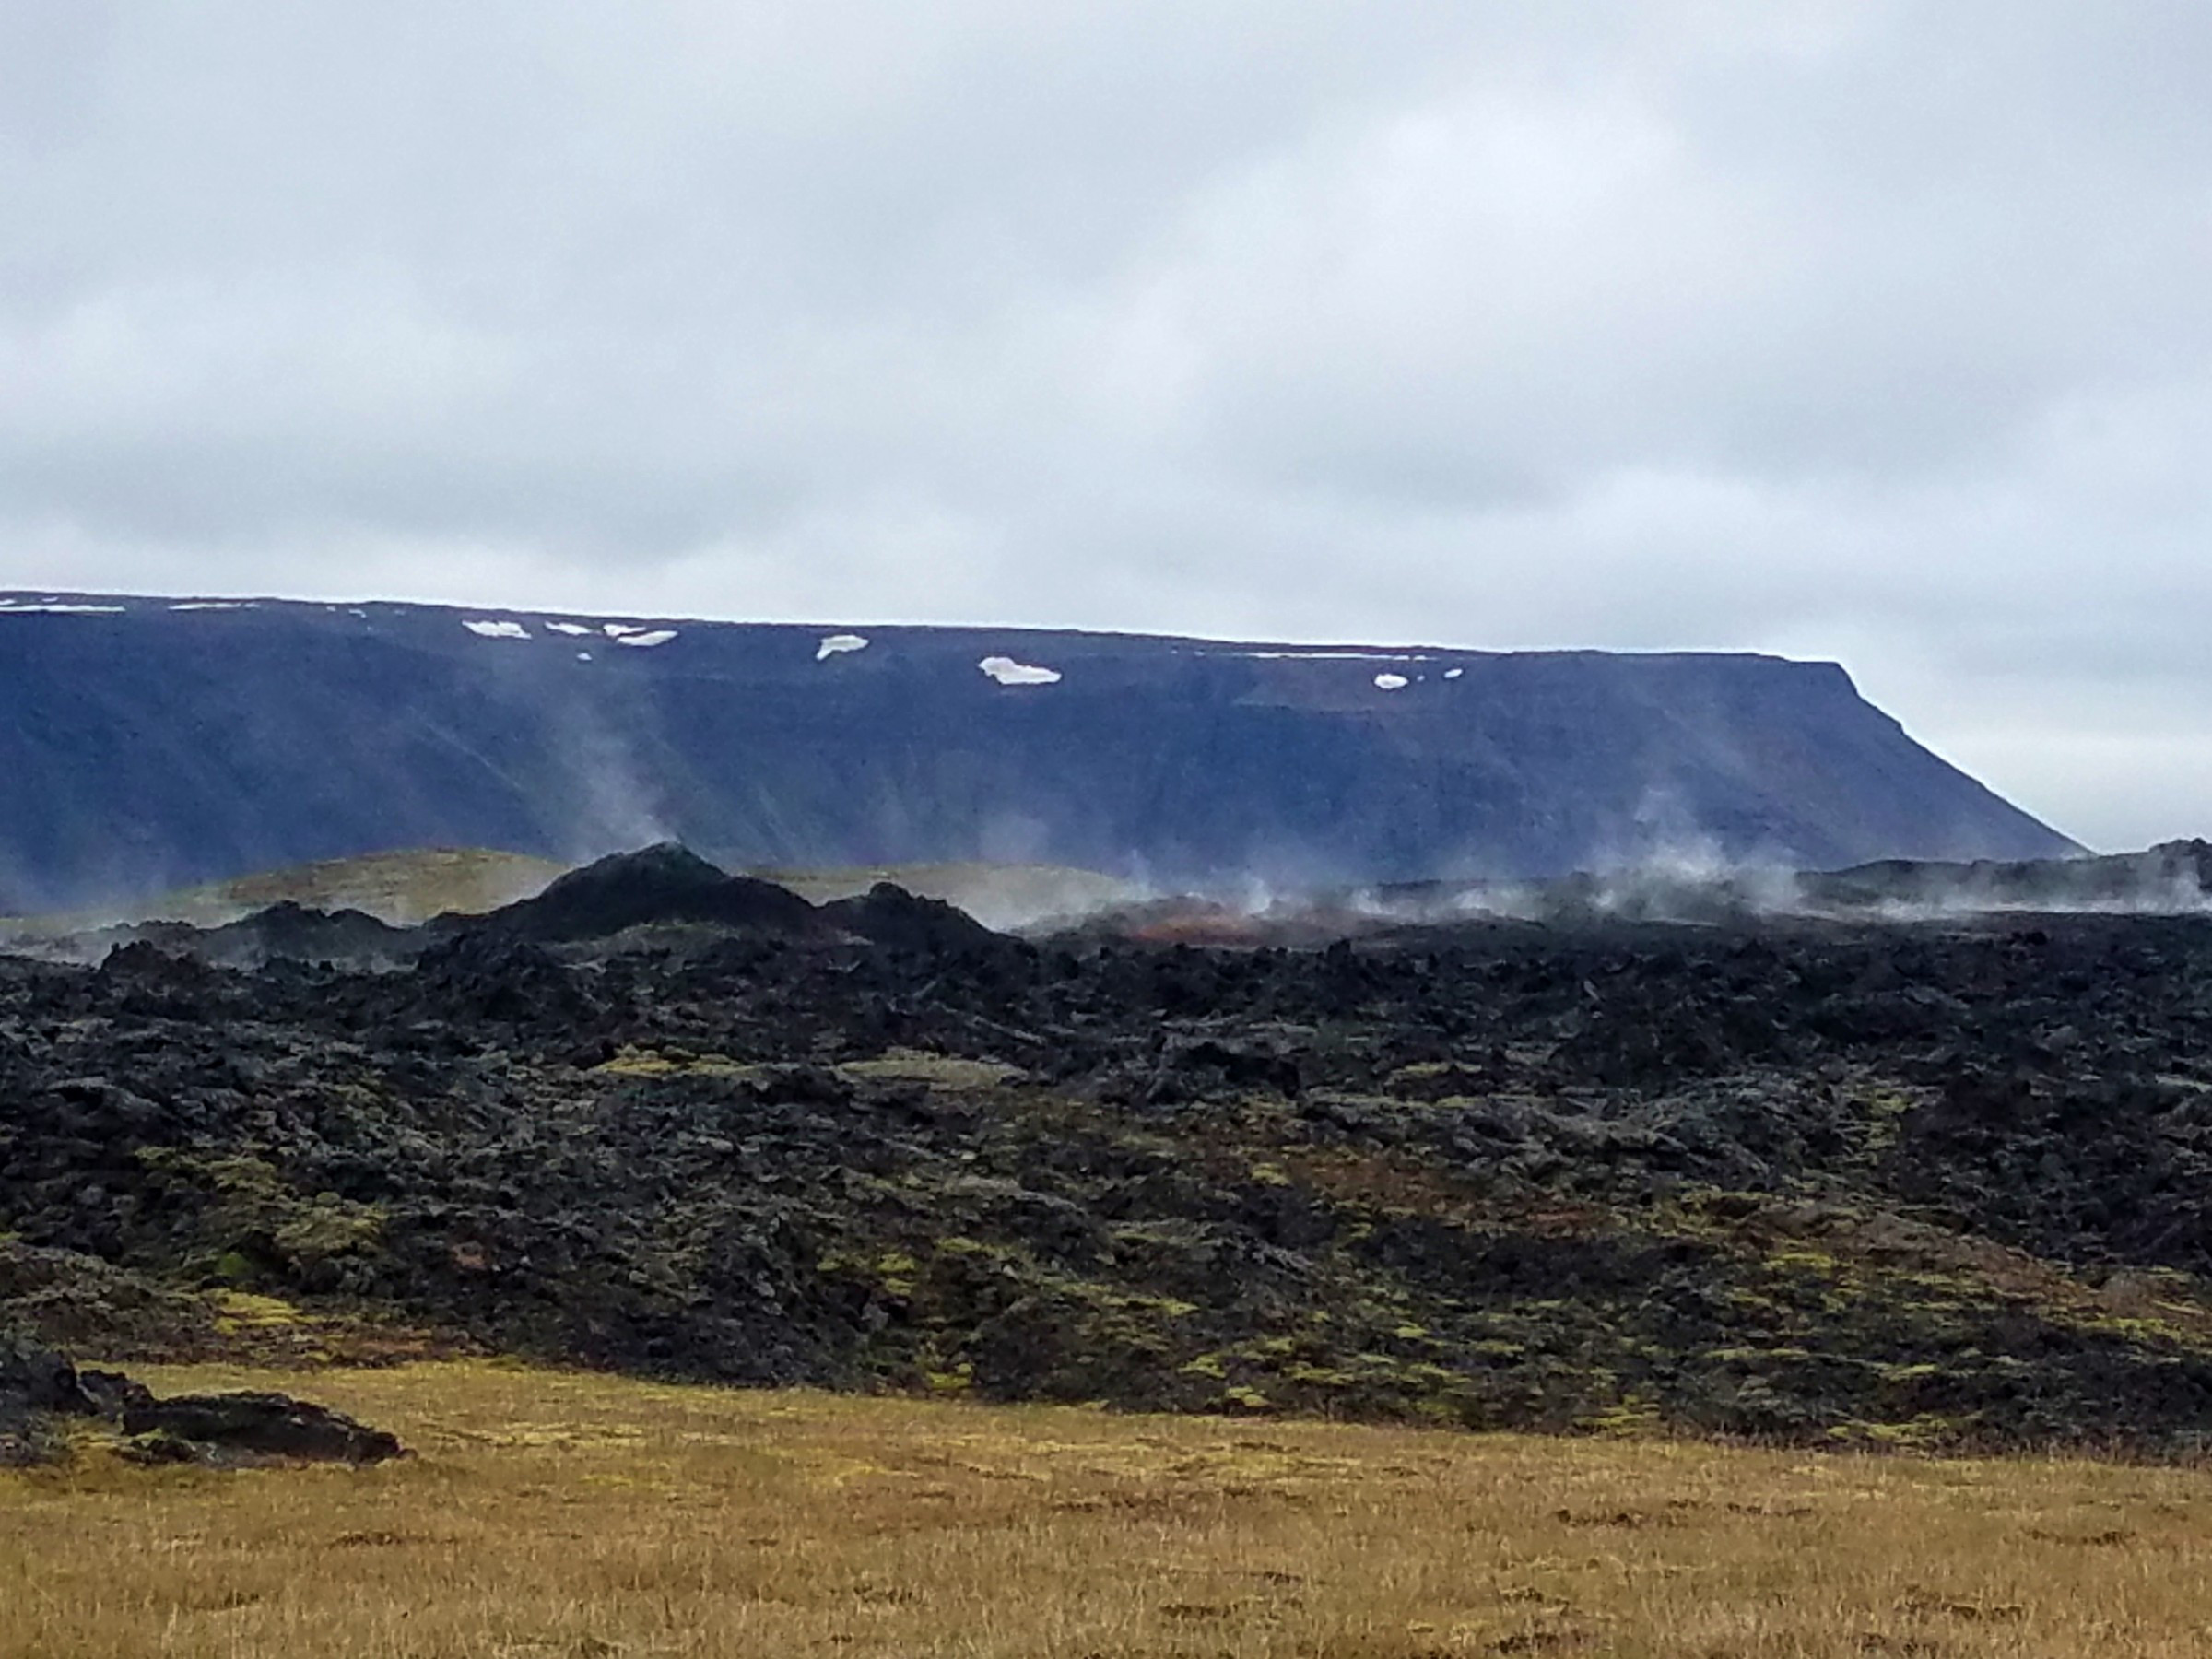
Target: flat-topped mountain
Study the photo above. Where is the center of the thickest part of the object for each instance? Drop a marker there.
(149, 743)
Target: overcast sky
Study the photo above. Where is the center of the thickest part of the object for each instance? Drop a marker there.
(1842, 328)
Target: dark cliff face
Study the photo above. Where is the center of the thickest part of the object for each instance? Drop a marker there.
(144, 743)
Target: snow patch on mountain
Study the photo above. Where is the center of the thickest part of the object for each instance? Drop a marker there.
(1008, 672)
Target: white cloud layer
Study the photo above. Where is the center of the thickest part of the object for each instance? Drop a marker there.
(1854, 328)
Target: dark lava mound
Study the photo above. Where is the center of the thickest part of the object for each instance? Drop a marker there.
(890, 916)
(291, 931)
(2175, 876)
(657, 886)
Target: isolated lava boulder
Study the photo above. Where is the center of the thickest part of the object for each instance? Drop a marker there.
(261, 1425)
(40, 1390)
(35, 1378)
(37, 1384)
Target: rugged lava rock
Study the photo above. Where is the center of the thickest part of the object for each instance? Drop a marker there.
(205, 1427)
(888, 914)
(36, 1385)
(1928, 1185)
(40, 1390)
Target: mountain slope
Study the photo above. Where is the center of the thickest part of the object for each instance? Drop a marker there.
(150, 743)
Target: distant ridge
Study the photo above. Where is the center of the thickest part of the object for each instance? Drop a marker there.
(152, 743)
(400, 888)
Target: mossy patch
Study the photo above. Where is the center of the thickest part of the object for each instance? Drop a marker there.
(940, 1071)
(630, 1061)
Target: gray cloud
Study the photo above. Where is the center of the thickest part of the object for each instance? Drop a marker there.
(1857, 328)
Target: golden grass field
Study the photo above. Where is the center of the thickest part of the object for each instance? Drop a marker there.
(551, 1515)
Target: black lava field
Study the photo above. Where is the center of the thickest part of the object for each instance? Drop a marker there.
(1935, 1185)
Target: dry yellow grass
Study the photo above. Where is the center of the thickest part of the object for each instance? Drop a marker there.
(550, 1515)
